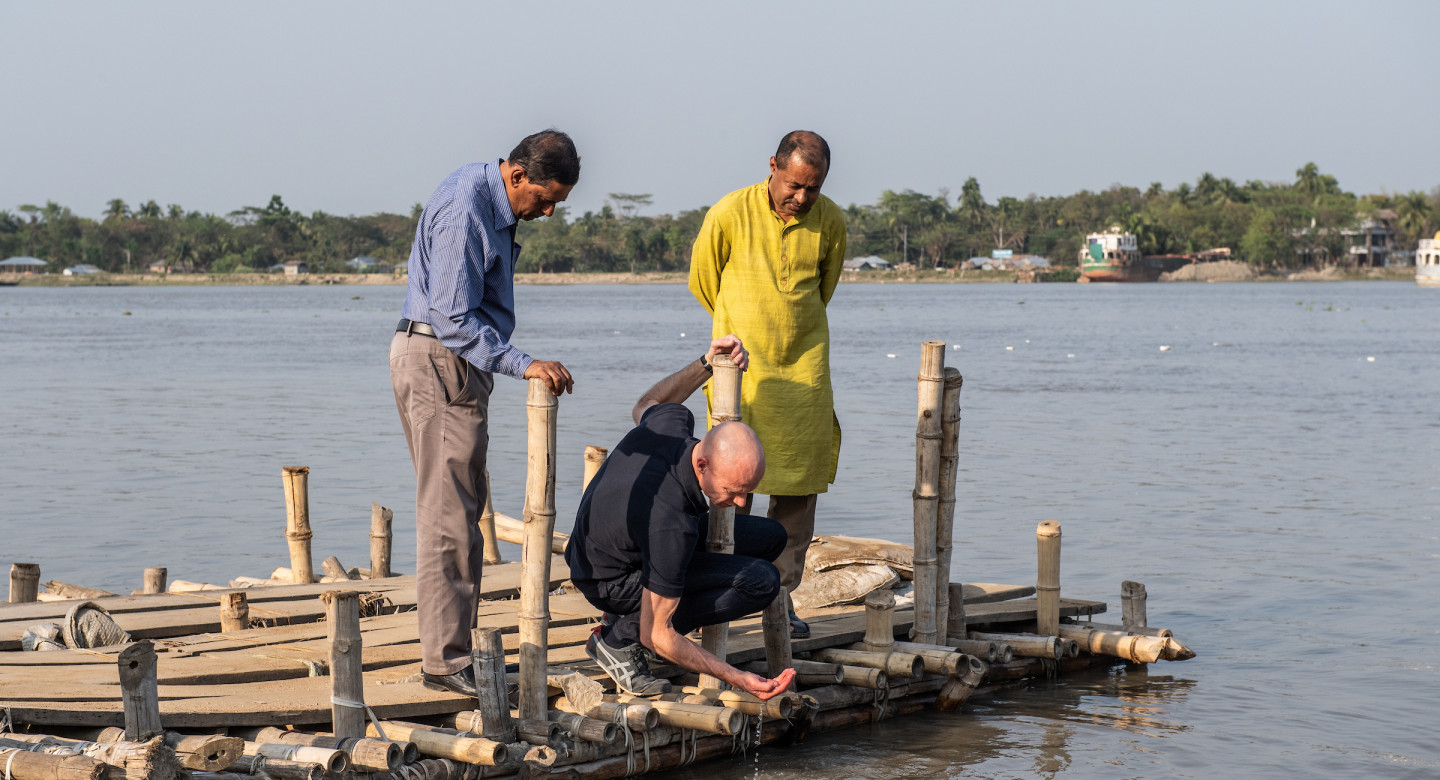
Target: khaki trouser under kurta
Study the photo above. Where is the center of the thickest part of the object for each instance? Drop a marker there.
(797, 515)
(444, 408)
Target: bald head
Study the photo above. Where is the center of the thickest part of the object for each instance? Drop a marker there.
(729, 463)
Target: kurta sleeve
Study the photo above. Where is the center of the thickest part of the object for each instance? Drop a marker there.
(834, 260)
(707, 261)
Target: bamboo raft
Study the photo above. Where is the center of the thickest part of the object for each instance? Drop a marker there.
(308, 675)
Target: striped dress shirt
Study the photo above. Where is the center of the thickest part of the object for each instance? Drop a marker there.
(462, 270)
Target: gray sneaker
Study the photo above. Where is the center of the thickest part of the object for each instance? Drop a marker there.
(628, 666)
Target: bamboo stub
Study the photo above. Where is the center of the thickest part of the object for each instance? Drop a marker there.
(296, 480)
(381, 540)
(24, 582)
(1047, 577)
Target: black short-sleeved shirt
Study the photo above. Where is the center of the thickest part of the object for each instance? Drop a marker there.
(644, 510)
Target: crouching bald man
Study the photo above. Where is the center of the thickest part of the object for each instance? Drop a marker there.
(637, 551)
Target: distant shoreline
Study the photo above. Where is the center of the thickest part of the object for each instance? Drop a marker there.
(945, 276)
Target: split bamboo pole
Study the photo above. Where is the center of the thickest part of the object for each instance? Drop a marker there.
(1142, 631)
(24, 582)
(594, 459)
(605, 732)
(955, 610)
(347, 691)
(945, 513)
(487, 525)
(21, 764)
(1132, 604)
(1131, 647)
(154, 581)
(148, 760)
(701, 717)
(381, 540)
(234, 612)
(296, 480)
(725, 407)
(541, 407)
(1047, 578)
(926, 498)
(782, 705)
(139, 685)
(334, 761)
(487, 656)
(471, 750)
(277, 768)
(959, 687)
(364, 753)
(1027, 645)
(879, 622)
(895, 664)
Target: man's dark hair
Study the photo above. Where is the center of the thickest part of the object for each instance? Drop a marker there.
(547, 156)
(810, 146)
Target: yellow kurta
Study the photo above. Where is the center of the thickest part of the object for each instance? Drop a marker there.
(768, 281)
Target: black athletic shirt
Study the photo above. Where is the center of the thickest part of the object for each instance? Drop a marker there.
(644, 510)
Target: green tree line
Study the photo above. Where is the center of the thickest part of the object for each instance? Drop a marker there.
(1264, 223)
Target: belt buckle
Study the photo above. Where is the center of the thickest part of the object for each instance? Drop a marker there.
(409, 326)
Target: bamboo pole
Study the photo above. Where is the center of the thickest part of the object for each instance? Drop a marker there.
(471, 750)
(148, 760)
(21, 764)
(594, 459)
(277, 768)
(347, 691)
(1132, 604)
(701, 717)
(487, 657)
(234, 612)
(864, 677)
(334, 761)
(635, 716)
(364, 753)
(1131, 647)
(985, 650)
(1047, 578)
(725, 407)
(140, 688)
(895, 664)
(296, 480)
(926, 498)
(541, 408)
(24, 582)
(958, 689)
(937, 660)
(509, 529)
(775, 626)
(205, 752)
(806, 672)
(487, 525)
(1027, 645)
(538, 732)
(880, 621)
(334, 568)
(955, 610)
(945, 513)
(66, 590)
(604, 732)
(154, 581)
(1143, 631)
(381, 540)
(783, 705)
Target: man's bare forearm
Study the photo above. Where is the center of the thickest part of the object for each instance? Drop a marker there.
(673, 389)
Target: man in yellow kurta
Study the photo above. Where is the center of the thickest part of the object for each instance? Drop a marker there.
(765, 264)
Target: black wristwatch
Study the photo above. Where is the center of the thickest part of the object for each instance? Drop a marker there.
(705, 364)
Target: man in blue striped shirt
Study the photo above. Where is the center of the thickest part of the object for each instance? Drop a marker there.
(454, 334)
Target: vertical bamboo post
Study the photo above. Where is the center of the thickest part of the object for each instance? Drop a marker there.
(297, 522)
(945, 515)
(381, 540)
(487, 525)
(1132, 604)
(234, 612)
(140, 687)
(24, 582)
(541, 407)
(594, 459)
(775, 624)
(1047, 578)
(155, 580)
(926, 498)
(487, 657)
(880, 621)
(724, 407)
(342, 618)
(955, 619)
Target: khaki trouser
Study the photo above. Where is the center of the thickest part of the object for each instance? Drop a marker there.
(444, 407)
(797, 515)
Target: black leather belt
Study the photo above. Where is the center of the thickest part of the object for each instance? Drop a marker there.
(411, 327)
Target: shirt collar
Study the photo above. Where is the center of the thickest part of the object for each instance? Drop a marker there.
(800, 220)
(499, 201)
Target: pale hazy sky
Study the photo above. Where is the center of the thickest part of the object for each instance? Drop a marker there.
(359, 107)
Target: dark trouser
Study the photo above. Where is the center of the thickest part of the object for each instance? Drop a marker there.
(444, 406)
(796, 514)
(718, 588)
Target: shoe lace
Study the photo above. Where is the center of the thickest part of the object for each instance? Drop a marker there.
(640, 659)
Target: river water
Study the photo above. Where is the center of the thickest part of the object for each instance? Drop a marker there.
(1273, 477)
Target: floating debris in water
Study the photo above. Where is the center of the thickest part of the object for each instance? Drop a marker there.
(1370, 359)
(1010, 349)
(1214, 343)
(1070, 355)
(682, 335)
(891, 355)
(1164, 347)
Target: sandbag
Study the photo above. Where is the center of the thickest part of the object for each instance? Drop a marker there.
(832, 552)
(845, 585)
(42, 636)
(88, 624)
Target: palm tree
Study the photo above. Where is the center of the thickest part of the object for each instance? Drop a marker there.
(116, 209)
(1415, 213)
